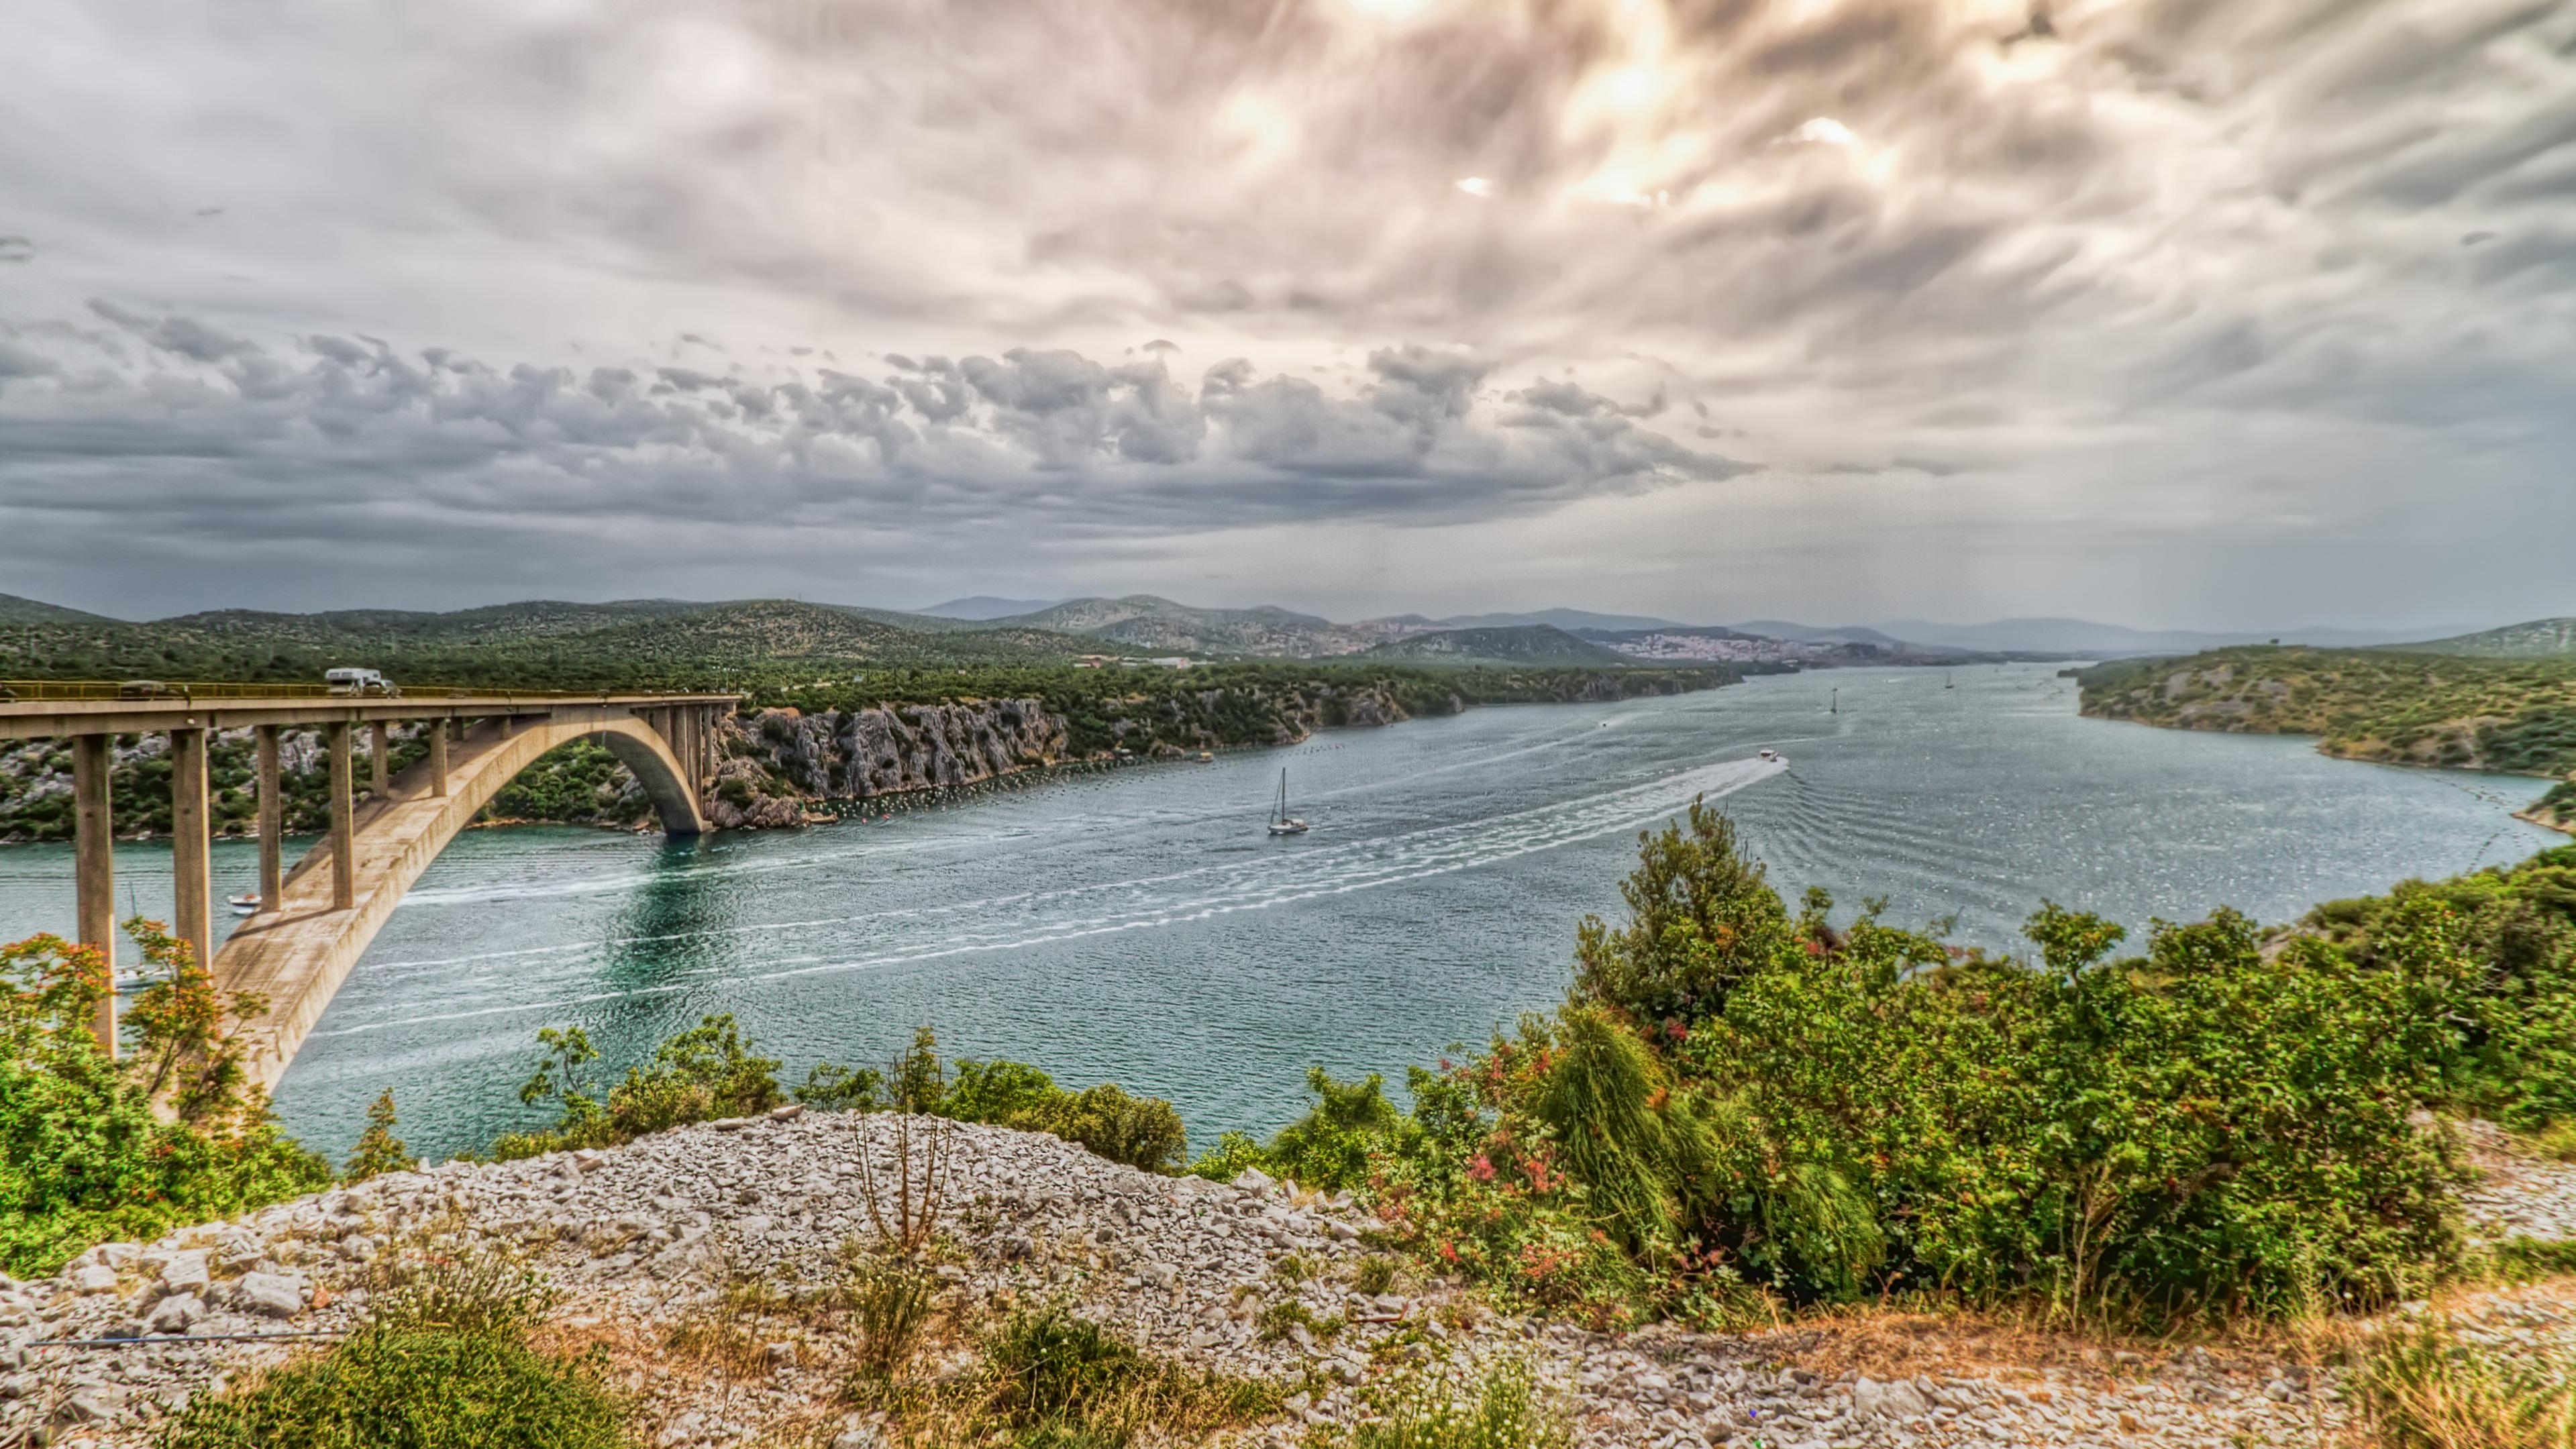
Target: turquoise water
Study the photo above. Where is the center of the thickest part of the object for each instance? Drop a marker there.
(1139, 926)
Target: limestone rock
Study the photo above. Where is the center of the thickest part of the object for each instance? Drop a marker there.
(186, 1273)
(271, 1295)
(1894, 1400)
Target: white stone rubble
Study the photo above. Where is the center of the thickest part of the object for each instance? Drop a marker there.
(639, 1237)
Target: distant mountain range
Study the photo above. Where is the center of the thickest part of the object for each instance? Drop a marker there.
(987, 626)
(2079, 636)
(2072, 636)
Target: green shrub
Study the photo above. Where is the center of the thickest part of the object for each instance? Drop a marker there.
(1737, 1099)
(836, 1088)
(711, 1071)
(1142, 1132)
(445, 1364)
(1329, 1147)
(2517, 927)
(1053, 1377)
(702, 1074)
(1450, 1410)
(84, 1159)
(890, 1304)
(1233, 1155)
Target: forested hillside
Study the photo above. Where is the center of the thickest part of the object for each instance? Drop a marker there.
(2512, 715)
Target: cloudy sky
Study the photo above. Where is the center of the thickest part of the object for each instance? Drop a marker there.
(2214, 313)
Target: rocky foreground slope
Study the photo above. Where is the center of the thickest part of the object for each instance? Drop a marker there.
(644, 1240)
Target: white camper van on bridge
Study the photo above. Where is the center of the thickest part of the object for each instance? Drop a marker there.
(360, 682)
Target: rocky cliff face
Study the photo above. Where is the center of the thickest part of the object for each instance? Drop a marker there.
(778, 761)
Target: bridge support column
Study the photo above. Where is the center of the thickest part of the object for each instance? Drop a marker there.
(380, 761)
(344, 831)
(438, 758)
(272, 824)
(191, 879)
(94, 864)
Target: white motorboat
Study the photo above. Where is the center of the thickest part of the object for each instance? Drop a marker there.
(244, 905)
(1281, 822)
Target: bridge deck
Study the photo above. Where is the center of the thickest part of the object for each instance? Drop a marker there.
(25, 719)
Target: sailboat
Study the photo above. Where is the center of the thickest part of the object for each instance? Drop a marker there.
(1281, 822)
(1836, 707)
(1948, 683)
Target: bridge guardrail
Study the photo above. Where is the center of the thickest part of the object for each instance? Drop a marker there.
(38, 690)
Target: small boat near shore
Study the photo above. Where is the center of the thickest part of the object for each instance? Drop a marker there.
(244, 905)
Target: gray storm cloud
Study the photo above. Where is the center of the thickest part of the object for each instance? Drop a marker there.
(2160, 275)
(331, 429)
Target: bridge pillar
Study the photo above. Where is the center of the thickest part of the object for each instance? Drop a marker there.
(191, 878)
(344, 833)
(380, 761)
(272, 824)
(438, 758)
(94, 865)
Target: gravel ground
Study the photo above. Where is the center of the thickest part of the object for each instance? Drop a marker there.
(639, 1238)
(2522, 1196)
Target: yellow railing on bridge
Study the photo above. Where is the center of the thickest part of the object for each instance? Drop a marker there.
(35, 690)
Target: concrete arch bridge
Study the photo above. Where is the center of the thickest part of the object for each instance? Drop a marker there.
(315, 920)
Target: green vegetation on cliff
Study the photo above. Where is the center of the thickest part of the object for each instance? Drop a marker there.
(2511, 715)
(1215, 705)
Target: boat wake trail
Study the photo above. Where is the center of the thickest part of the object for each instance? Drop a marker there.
(1259, 881)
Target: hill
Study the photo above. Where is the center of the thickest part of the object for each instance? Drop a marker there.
(1523, 644)
(2536, 639)
(1810, 634)
(976, 608)
(2457, 712)
(1155, 625)
(1569, 620)
(15, 610)
(537, 644)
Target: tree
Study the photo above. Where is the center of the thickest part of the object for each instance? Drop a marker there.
(379, 1150)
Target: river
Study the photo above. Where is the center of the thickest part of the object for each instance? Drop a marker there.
(1139, 926)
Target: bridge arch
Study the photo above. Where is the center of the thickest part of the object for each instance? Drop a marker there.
(295, 958)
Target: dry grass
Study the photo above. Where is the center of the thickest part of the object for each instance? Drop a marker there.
(1905, 1337)
(733, 1331)
(2421, 1386)
(904, 1200)
(891, 1306)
